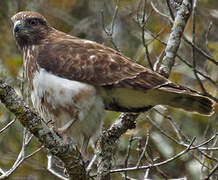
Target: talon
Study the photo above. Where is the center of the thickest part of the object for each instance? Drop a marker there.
(50, 122)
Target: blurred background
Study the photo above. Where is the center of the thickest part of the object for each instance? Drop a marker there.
(121, 29)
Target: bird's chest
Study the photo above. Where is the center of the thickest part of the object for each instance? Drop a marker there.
(61, 99)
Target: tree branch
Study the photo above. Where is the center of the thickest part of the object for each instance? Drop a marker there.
(68, 153)
(108, 140)
(175, 37)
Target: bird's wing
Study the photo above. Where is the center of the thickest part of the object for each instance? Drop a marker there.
(95, 64)
(92, 63)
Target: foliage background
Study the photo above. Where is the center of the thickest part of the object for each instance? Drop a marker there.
(83, 18)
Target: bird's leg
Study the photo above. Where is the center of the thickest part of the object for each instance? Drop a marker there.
(94, 158)
(91, 162)
(50, 123)
(84, 145)
(61, 131)
(83, 149)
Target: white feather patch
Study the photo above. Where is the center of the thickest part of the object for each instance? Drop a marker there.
(90, 108)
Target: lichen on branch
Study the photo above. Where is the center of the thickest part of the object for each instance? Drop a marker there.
(67, 152)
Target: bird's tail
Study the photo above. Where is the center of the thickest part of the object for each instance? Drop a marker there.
(181, 97)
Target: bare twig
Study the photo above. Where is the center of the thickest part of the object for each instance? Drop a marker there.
(207, 34)
(127, 155)
(34, 152)
(144, 149)
(170, 9)
(199, 147)
(178, 132)
(206, 142)
(49, 167)
(162, 14)
(8, 125)
(198, 71)
(193, 49)
(21, 157)
(110, 32)
(146, 173)
(143, 24)
(212, 172)
(202, 52)
(156, 164)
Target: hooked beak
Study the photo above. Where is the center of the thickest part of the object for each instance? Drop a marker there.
(17, 27)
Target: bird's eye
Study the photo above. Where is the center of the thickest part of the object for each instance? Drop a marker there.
(33, 22)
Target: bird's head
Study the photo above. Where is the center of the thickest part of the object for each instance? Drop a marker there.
(29, 28)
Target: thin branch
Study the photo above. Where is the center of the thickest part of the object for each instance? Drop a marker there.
(144, 149)
(161, 130)
(34, 152)
(146, 174)
(148, 57)
(127, 155)
(208, 156)
(143, 24)
(207, 34)
(199, 147)
(114, 17)
(8, 125)
(110, 32)
(212, 172)
(199, 161)
(198, 71)
(49, 167)
(162, 14)
(156, 164)
(21, 157)
(170, 9)
(173, 124)
(202, 52)
(193, 49)
(205, 142)
(138, 11)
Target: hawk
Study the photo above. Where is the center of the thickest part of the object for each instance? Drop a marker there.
(73, 80)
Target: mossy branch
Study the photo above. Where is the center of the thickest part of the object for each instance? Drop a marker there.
(68, 153)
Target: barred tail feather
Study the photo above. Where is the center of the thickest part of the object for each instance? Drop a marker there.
(190, 101)
(131, 100)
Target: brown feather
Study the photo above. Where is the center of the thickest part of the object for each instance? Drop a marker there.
(94, 64)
